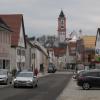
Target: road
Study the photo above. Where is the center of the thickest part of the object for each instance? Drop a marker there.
(49, 88)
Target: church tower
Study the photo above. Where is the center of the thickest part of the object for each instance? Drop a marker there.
(61, 27)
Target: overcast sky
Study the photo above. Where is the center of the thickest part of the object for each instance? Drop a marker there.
(40, 16)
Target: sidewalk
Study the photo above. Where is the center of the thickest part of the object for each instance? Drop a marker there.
(73, 92)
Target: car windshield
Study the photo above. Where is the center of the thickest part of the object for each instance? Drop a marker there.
(25, 75)
(83, 73)
(3, 72)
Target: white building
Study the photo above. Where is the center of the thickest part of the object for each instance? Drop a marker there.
(5, 45)
(30, 54)
(40, 57)
(18, 45)
(97, 49)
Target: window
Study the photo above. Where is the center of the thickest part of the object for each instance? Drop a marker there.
(18, 52)
(94, 74)
(1, 64)
(23, 52)
(97, 51)
(33, 56)
(7, 64)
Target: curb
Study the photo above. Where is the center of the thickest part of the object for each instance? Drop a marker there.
(5, 86)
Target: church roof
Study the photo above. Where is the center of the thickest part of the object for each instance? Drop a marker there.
(61, 14)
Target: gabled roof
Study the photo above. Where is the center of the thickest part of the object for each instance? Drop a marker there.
(61, 14)
(14, 21)
(28, 41)
(4, 26)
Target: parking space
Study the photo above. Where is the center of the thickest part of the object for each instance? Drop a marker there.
(74, 92)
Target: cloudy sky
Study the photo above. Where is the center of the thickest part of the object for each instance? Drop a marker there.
(40, 16)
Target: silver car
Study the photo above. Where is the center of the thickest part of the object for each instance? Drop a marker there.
(25, 79)
(5, 76)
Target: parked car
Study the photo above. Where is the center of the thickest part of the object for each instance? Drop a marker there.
(5, 76)
(89, 79)
(51, 68)
(25, 79)
(75, 76)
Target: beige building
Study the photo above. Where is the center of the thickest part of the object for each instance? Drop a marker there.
(86, 50)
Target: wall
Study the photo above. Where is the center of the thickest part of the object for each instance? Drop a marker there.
(13, 64)
(28, 56)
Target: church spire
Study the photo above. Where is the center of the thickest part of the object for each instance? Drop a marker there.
(61, 14)
(62, 27)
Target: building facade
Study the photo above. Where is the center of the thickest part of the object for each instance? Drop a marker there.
(5, 45)
(85, 50)
(97, 49)
(40, 57)
(18, 45)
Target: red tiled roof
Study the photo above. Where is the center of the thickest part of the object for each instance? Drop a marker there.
(14, 22)
(59, 51)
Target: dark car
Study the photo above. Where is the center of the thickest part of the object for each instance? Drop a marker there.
(51, 68)
(75, 76)
(89, 79)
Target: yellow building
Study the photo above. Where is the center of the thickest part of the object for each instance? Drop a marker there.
(89, 48)
(89, 41)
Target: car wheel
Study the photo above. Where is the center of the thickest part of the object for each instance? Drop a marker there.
(14, 86)
(36, 85)
(86, 86)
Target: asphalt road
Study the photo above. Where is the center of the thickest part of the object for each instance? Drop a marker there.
(49, 88)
